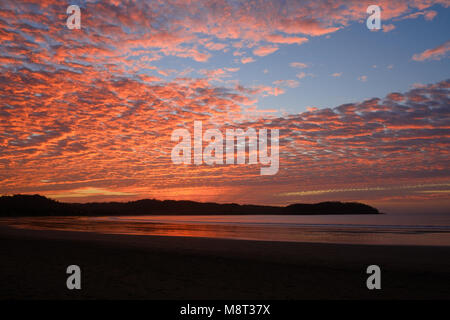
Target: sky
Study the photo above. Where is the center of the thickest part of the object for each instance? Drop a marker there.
(87, 114)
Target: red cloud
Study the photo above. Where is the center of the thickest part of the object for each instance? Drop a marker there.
(89, 111)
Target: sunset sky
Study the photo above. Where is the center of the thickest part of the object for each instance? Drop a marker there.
(87, 115)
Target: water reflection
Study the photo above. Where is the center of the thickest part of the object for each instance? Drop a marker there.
(243, 228)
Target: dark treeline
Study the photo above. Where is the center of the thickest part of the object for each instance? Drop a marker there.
(37, 205)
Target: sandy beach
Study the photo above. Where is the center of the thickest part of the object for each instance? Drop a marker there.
(34, 262)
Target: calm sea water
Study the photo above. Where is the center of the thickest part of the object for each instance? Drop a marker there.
(351, 229)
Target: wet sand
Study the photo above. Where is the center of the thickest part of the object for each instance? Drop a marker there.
(33, 266)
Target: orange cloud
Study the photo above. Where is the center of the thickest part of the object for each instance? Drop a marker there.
(264, 50)
(247, 60)
(434, 54)
(388, 27)
(91, 115)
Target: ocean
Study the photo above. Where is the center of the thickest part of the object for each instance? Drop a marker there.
(386, 229)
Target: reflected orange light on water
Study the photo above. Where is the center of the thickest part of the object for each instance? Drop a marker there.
(242, 227)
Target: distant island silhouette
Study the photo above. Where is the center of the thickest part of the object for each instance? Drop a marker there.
(37, 205)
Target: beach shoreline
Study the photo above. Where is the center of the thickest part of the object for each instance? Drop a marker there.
(116, 266)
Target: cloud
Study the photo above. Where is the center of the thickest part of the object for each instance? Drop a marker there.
(302, 75)
(88, 192)
(276, 38)
(196, 31)
(428, 15)
(362, 78)
(433, 54)
(395, 96)
(336, 74)
(95, 110)
(264, 50)
(247, 60)
(215, 46)
(388, 27)
(287, 83)
(379, 188)
(110, 134)
(267, 90)
(298, 65)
